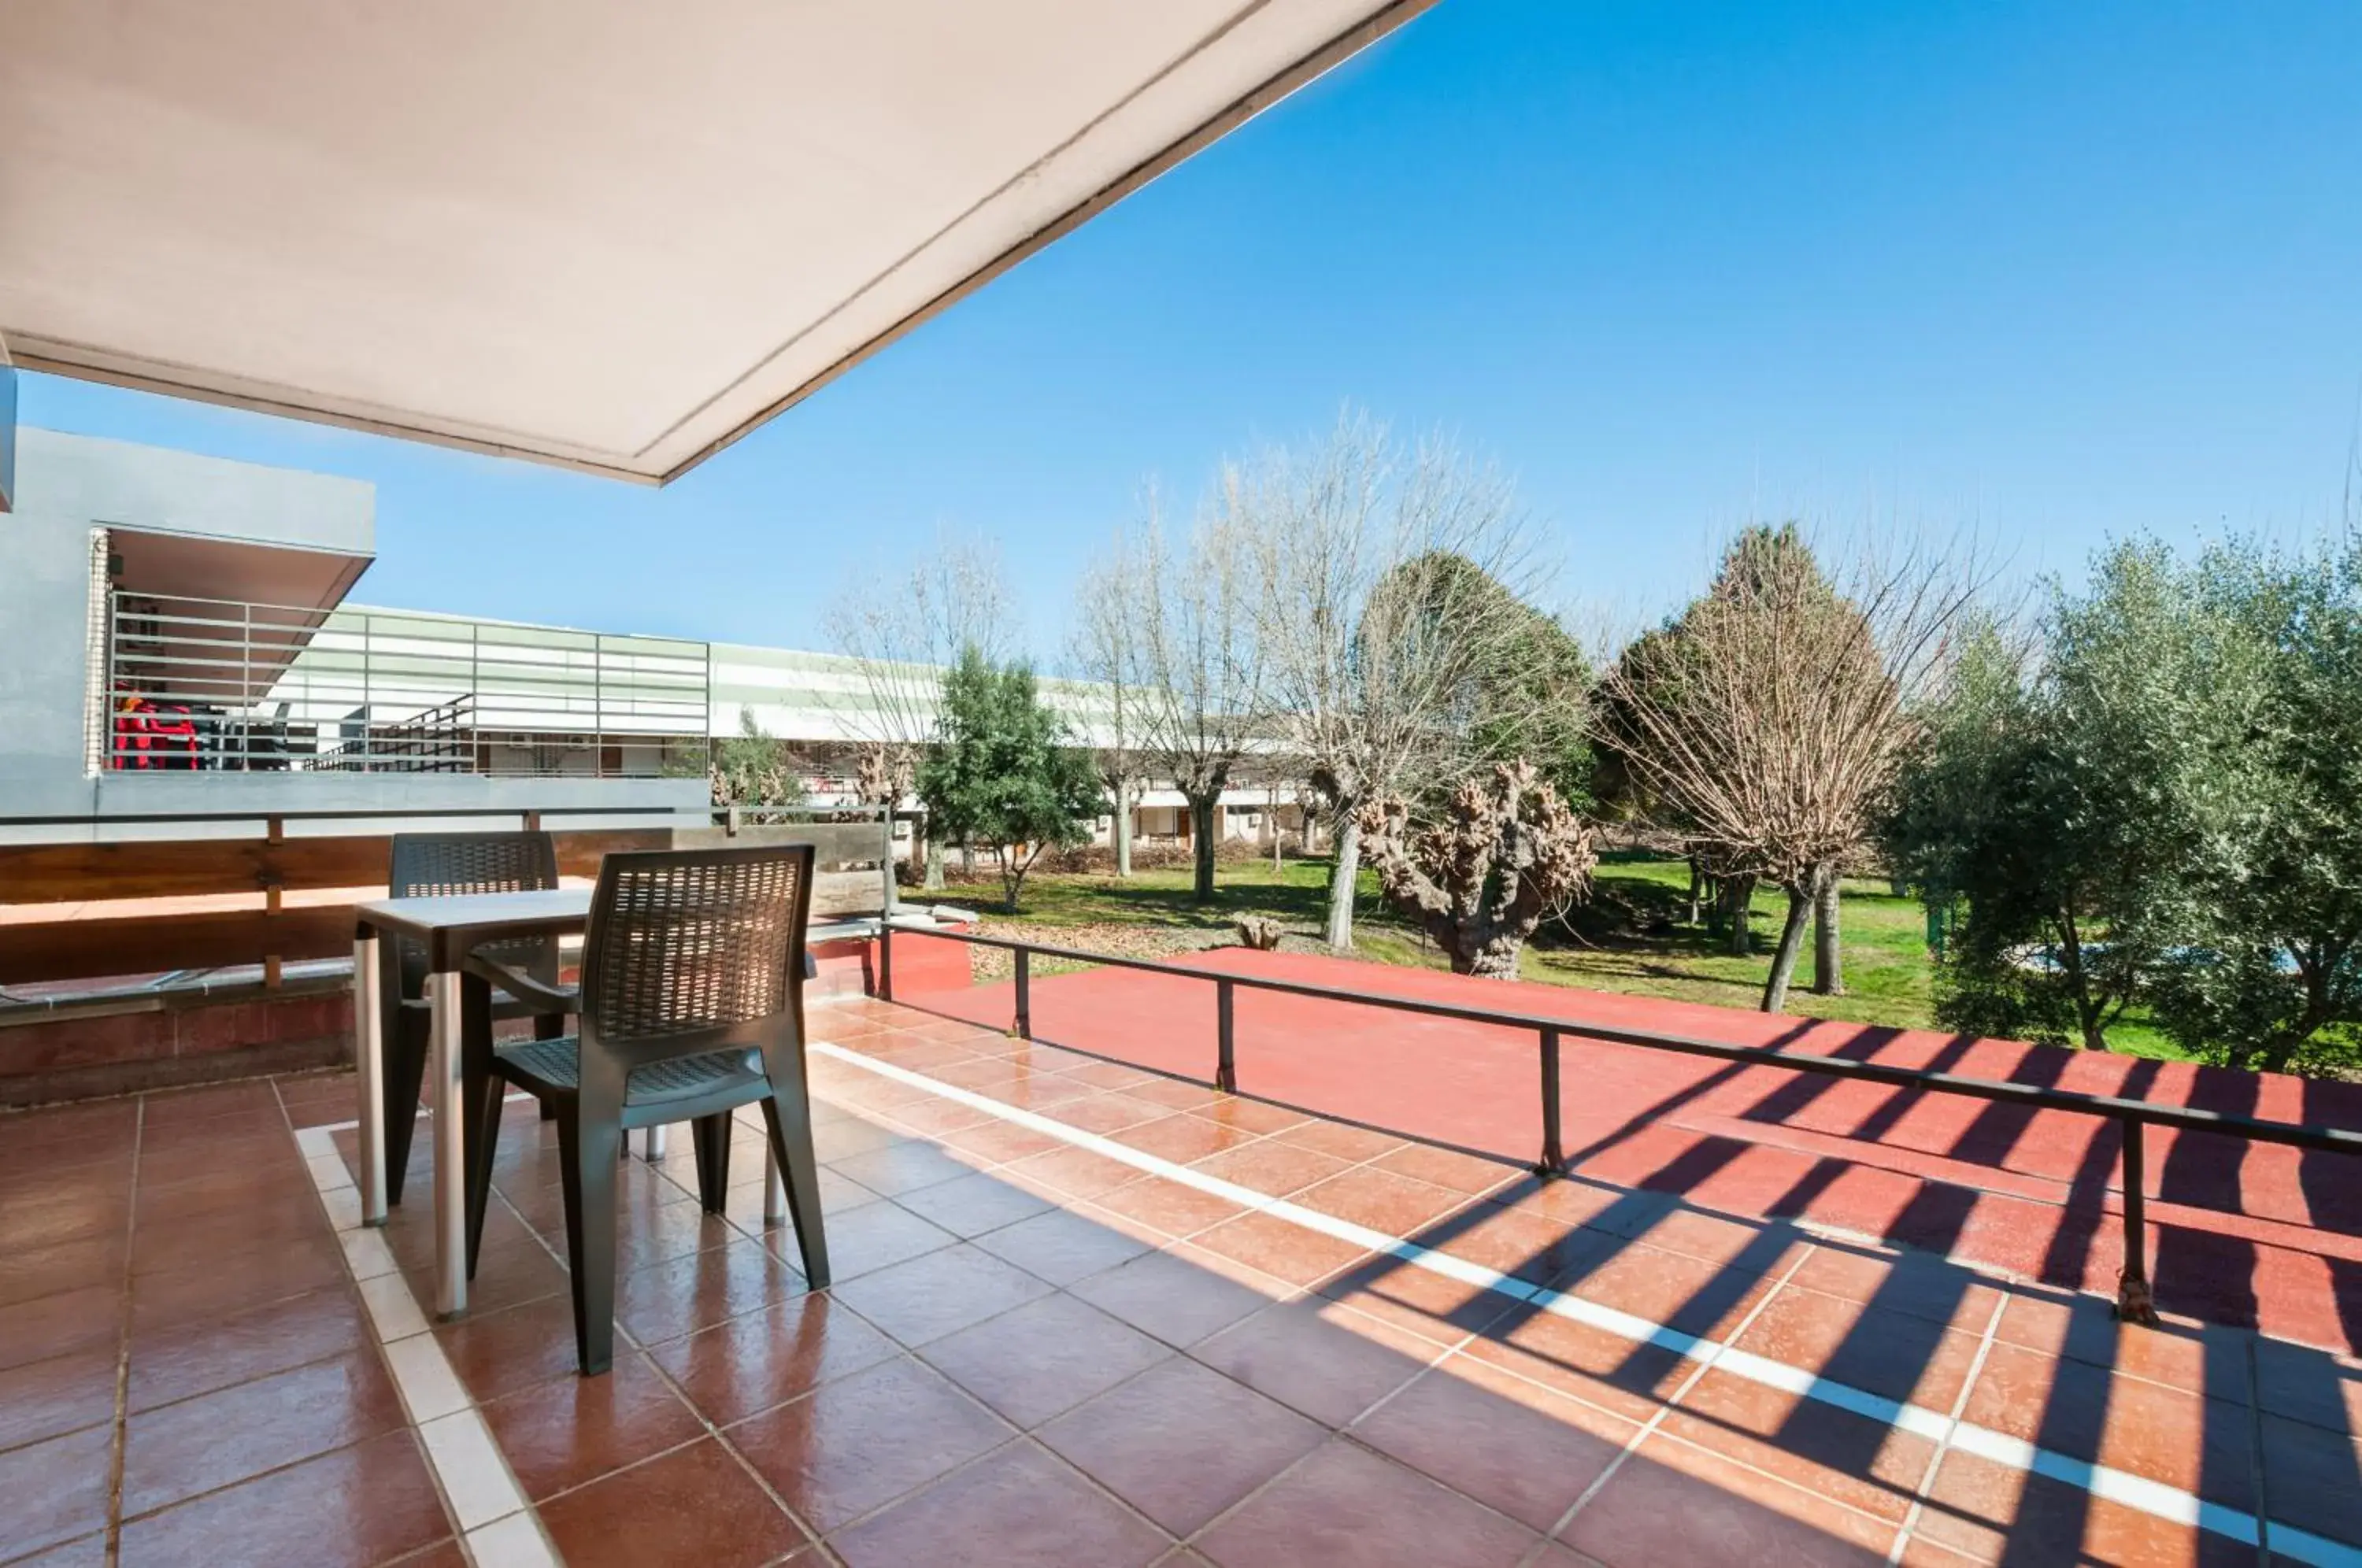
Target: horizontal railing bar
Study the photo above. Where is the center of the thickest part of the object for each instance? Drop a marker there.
(715, 814)
(355, 814)
(2031, 1096)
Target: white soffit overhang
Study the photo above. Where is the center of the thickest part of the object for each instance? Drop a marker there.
(615, 237)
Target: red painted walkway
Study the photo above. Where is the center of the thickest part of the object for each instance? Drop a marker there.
(2257, 1236)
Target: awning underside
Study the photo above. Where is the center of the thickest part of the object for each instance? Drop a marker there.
(610, 237)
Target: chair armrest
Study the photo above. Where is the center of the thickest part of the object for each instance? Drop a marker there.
(523, 986)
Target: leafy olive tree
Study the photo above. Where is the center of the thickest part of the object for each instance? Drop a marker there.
(2268, 975)
(2075, 815)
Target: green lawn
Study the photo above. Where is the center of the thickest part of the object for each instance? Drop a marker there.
(1632, 937)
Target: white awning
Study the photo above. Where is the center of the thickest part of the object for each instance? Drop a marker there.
(612, 237)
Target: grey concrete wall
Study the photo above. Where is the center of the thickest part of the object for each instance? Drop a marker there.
(634, 802)
(91, 479)
(44, 630)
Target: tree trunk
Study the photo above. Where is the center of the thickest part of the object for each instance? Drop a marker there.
(1737, 898)
(1697, 886)
(1828, 957)
(1783, 957)
(2087, 1011)
(1495, 959)
(933, 881)
(1343, 874)
(1201, 828)
(1279, 833)
(1122, 834)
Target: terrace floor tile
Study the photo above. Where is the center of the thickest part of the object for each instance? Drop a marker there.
(696, 1504)
(1019, 1504)
(1181, 1442)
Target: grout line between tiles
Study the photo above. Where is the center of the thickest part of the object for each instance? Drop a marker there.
(631, 1340)
(1647, 1429)
(118, 1449)
(2157, 1498)
(496, 1525)
(1944, 1444)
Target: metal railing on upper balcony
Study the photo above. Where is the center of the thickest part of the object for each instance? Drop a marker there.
(219, 684)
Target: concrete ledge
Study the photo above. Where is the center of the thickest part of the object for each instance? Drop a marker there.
(99, 1080)
(120, 1043)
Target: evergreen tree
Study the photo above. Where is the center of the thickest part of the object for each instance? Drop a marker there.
(1002, 771)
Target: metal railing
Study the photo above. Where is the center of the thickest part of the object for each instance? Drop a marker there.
(2131, 1116)
(220, 684)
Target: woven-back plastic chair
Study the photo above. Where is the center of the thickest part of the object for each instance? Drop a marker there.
(431, 865)
(692, 1006)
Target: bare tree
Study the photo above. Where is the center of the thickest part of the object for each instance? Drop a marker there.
(1106, 653)
(903, 633)
(1769, 721)
(1189, 625)
(1395, 581)
(1506, 853)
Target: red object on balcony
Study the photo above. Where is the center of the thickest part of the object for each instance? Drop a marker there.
(148, 735)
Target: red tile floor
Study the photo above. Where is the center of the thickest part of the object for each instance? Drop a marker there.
(1083, 1315)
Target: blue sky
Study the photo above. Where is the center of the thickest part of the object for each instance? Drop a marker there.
(2053, 272)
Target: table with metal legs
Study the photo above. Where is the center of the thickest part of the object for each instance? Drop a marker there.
(449, 929)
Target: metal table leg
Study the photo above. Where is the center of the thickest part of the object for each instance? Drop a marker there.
(774, 1188)
(369, 1069)
(450, 1148)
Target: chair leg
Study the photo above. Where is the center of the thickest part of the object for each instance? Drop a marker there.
(480, 1098)
(586, 1149)
(405, 1078)
(710, 1137)
(788, 1116)
(486, 1139)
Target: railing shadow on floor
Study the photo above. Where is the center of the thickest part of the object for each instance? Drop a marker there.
(1891, 1340)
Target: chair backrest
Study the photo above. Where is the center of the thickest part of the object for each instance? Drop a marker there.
(689, 951)
(427, 865)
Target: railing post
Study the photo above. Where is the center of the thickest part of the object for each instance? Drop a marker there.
(2135, 1301)
(1024, 994)
(368, 633)
(274, 829)
(1226, 1057)
(1553, 1160)
(245, 692)
(886, 960)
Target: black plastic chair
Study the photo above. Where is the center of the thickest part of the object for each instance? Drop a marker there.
(432, 864)
(692, 1006)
